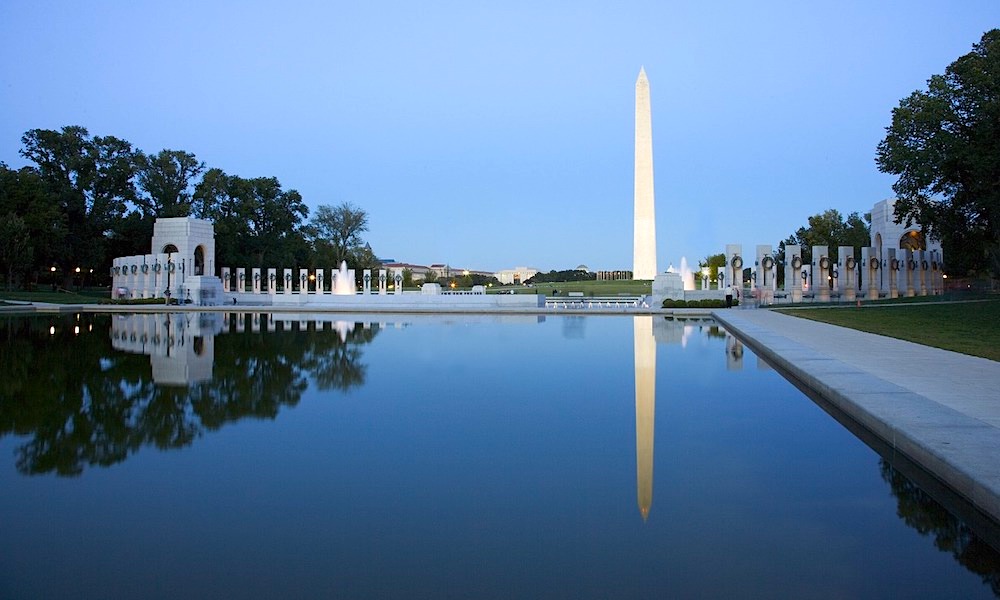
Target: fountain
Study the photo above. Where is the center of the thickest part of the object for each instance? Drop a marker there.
(343, 281)
(687, 275)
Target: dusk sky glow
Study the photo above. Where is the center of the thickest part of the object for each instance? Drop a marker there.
(490, 135)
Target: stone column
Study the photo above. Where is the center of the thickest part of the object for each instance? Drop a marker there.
(366, 278)
(734, 266)
(764, 269)
(909, 266)
(148, 289)
(255, 274)
(398, 280)
(848, 273)
(286, 281)
(820, 271)
(241, 280)
(225, 279)
(870, 263)
(793, 264)
(892, 266)
(320, 283)
(923, 268)
(383, 283)
(937, 273)
(272, 281)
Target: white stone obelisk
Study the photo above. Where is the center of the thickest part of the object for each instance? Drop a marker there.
(644, 236)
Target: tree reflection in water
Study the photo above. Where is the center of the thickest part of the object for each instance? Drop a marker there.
(921, 512)
(81, 403)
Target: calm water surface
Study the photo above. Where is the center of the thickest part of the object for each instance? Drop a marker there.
(235, 455)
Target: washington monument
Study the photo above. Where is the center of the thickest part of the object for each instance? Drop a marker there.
(644, 235)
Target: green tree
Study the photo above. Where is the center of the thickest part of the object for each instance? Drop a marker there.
(25, 195)
(944, 144)
(92, 180)
(167, 178)
(336, 232)
(15, 246)
(829, 229)
(714, 263)
(257, 224)
(130, 235)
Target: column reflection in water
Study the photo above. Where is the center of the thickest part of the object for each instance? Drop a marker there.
(645, 409)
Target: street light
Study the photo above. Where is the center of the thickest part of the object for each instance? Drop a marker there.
(166, 293)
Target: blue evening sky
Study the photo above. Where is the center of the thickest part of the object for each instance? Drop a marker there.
(490, 135)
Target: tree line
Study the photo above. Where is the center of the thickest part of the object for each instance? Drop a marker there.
(88, 199)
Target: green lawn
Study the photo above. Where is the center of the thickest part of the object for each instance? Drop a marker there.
(967, 327)
(85, 297)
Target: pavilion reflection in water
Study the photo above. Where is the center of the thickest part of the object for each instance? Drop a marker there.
(181, 346)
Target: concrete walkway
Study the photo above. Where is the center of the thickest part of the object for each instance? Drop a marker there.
(939, 408)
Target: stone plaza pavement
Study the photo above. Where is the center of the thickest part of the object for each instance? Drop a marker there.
(940, 409)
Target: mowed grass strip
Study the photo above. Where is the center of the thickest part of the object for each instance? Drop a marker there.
(968, 327)
(87, 297)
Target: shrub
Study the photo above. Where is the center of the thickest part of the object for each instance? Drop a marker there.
(704, 303)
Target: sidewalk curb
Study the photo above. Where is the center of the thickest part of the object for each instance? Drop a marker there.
(957, 449)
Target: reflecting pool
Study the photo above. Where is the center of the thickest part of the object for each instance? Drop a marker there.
(255, 455)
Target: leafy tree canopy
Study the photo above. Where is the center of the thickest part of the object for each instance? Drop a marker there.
(87, 199)
(560, 276)
(167, 179)
(335, 232)
(714, 263)
(829, 229)
(944, 144)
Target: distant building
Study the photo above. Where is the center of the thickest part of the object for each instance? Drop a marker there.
(614, 275)
(441, 270)
(515, 276)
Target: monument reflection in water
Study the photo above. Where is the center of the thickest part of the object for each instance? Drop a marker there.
(444, 456)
